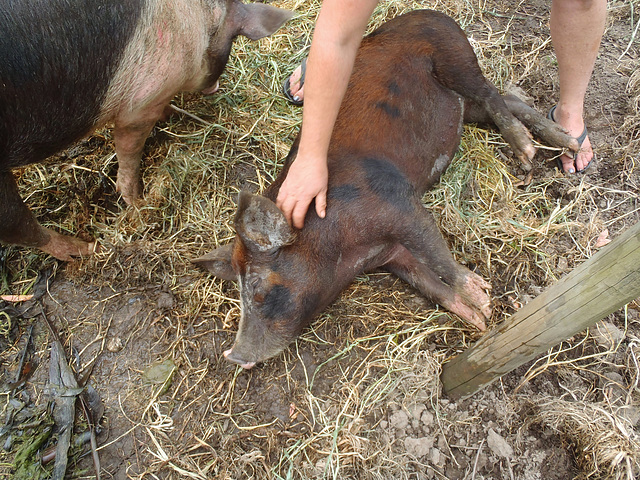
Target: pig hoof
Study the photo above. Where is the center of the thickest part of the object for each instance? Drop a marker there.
(520, 140)
(228, 354)
(468, 310)
(475, 289)
(131, 200)
(473, 303)
(212, 89)
(130, 192)
(66, 248)
(478, 322)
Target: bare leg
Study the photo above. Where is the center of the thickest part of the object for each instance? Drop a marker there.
(576, 30)
(18, 226)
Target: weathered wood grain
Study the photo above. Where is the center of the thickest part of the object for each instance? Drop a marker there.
(601, 285)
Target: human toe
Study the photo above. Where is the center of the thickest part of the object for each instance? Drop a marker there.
(294, 78)
(584, 156)
(566, 164)
(294, 84)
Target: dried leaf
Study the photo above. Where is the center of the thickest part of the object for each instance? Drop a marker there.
(160, 374)
(16, 298)
(603, 239)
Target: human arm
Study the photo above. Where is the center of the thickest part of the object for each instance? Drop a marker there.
(337, 36)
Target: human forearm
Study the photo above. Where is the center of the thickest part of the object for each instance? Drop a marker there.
(338, 34)
(336, 39)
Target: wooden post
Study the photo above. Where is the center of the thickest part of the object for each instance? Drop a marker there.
(601, 285)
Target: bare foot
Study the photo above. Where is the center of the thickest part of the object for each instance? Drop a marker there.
(297, 90)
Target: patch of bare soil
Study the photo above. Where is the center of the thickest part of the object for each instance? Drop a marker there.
(358, 395)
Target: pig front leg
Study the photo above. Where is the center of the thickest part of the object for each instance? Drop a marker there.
(467, 297)
(129, 139)
(423, 260)
(18, 226)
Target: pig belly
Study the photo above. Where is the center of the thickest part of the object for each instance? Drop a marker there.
(56, 63)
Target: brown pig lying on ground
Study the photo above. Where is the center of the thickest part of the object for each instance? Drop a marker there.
(414, 83)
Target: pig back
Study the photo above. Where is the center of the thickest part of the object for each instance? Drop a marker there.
(395, 110)
(56, 61)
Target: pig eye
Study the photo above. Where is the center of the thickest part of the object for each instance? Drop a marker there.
(255, 282)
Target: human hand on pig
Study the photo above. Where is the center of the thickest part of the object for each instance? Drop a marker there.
(307, 179)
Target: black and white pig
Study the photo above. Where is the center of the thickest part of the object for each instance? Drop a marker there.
(415, 81)
(70, 66)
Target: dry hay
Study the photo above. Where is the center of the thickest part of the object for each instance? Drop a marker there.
(381, 345)
(598, 424)
(606, 446)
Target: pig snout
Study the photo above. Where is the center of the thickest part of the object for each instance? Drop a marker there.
(211, 90)
(231, 356)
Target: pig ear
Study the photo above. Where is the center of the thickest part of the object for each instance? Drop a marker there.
(258, 20)
(260, 224)
(218, 262)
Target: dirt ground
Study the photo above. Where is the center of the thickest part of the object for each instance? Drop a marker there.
(358, 395)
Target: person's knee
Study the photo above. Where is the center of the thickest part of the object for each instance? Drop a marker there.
(579, 5)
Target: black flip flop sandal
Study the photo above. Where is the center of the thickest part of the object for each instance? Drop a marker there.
(580, 139)
(286, 86)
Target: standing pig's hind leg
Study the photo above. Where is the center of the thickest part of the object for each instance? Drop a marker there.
(18, 226)
(129, 139)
